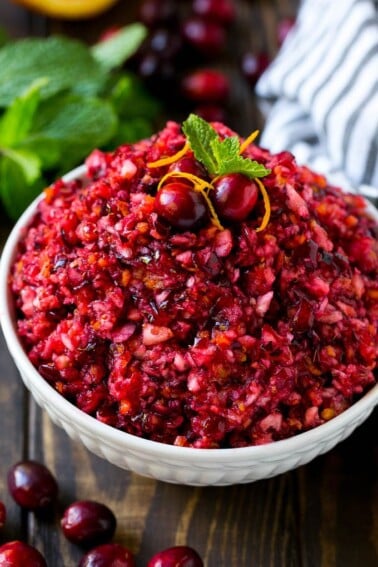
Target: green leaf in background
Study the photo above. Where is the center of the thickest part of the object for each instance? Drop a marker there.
(4, 37)
(76, 124)
(17, 119)
(130, 99)
(19, 182)
(66, 63)
(27, 161)
(114, 51)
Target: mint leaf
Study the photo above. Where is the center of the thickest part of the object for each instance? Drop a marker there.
(114, 51)
(16, 188)
(28, 163)
(66, 63)
(230, 161)
(17, 119)
(130, 99)
(200, 136)
(48, 151)
(219, 156)
(74, 124)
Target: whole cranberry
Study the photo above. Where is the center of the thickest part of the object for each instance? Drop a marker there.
(221, 10)
(188, 165)
(253, 65)
(32, 485)
(108, 555)
(87, 522)
(180, 205)
(234, 196)
(3, 514)
(19, 554)
(178, 556)
(206, 36)
(206, 85)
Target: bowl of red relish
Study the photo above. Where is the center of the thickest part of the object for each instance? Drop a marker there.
(196, 309)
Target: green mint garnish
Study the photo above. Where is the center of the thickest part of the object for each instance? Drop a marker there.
(219, 156)
(60, 99)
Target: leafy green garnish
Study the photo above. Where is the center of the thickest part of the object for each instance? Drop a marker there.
(120, 46)
(59, 100)
(219, 156)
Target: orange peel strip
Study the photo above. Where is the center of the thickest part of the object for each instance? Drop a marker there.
(171, 159)
(266, 217)
(199, 185)
(248, 141)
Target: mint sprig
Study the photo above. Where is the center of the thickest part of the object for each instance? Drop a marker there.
(60, 99)
(219, 157)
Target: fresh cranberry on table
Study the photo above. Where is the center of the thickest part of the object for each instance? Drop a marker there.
(3, 514)
(32, 485)
(180, 205)
(234, 196)
(87, 522)
(206, 36)
(253, 65)
(19, 554)
(221, 10)
(178, 556)
(206, 85)
(108, 555)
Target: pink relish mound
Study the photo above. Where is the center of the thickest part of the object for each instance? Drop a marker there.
(213, 336)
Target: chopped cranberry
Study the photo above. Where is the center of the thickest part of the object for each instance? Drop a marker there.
(32, 485)
(206, 85)
(178, 556)
(221, 10)
(235, 196)
(180, 205)
(87, 522)
(206, 36)
(3, 514)
(19, 554)
(253, 65)
(108, 555)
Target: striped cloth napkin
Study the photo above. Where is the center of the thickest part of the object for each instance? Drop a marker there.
(320, 94)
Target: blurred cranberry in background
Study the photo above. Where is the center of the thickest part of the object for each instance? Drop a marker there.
(153, 13)
(221, 10)
(253, 65)
(206, 85)
(284, 26)
(207, 36)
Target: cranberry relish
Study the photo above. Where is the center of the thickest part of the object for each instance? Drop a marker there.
(206, 338)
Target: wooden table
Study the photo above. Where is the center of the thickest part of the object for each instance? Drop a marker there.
(324, 514)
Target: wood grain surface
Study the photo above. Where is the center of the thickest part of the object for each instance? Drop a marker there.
(324, 514)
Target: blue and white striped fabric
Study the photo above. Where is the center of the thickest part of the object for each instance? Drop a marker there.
(320, 94)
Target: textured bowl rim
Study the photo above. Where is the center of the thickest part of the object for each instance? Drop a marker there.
(127, 441)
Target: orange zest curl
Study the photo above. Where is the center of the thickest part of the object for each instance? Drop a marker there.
(266, 217)
(170, 159)
(248, 141)
(199, 185)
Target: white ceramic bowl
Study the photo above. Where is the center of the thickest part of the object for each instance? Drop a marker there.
(183, 465)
